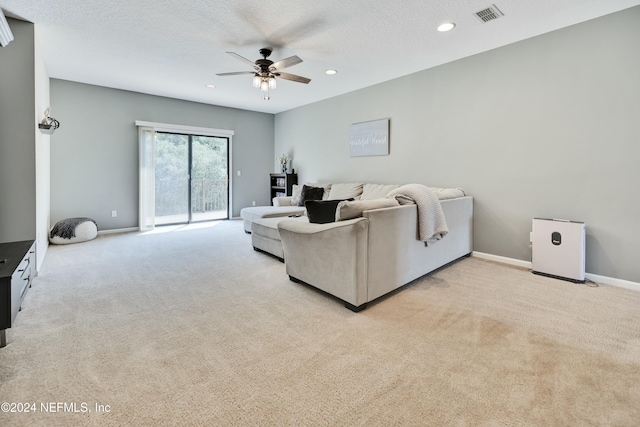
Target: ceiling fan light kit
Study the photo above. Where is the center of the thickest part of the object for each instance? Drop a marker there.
(266, 71)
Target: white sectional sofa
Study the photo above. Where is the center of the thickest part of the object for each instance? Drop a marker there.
(361, 259)
(288, 206)
(262, 221)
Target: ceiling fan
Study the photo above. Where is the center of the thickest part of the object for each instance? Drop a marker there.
(266, 71)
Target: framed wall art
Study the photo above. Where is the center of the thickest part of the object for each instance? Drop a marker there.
(369, 138)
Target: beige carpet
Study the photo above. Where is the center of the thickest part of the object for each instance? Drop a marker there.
(190, 326)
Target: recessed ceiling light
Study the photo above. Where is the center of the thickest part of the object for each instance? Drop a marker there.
(447, 26)
(211, 86)
(331, 72)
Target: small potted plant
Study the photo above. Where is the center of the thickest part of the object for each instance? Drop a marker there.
(283, 160)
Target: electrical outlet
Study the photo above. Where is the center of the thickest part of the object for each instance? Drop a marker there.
(114, 214)
(239, 173)
(253, 203)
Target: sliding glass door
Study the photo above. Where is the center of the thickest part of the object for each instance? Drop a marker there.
(172, 178)
(191, 178)
(209, 178)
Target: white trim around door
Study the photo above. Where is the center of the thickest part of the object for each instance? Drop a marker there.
(166, 127)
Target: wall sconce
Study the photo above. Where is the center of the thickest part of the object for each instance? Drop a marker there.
(48, 125)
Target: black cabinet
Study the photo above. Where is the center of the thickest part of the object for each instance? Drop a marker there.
(281, 184)
(17, 269)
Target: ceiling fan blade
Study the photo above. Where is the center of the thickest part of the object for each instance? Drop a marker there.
(236, 73)
(284, 63)
(293, 77)
(242, 58)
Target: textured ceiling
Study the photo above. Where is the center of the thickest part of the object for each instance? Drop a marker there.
(175, 48)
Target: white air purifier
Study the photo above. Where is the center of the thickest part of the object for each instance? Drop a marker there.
(558, 248)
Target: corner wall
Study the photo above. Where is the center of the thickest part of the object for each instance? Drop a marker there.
(547, 127)
(94, 153)
(17, 135)
(43, 156)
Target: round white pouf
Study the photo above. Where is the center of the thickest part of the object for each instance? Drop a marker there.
(85, 230)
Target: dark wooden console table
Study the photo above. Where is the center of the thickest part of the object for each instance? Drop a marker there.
(17, 269)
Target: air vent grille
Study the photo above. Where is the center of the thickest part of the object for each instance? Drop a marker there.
(489, 14)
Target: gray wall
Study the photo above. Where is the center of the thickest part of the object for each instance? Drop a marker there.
(547, 127)
(94, 153)
(18, 135)
(24, 151)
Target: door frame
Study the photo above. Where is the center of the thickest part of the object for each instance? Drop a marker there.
(195, 130)
(190, 138)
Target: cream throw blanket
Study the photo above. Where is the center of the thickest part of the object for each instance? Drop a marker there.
(432, 225)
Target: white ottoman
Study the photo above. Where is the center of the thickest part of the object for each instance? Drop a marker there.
(256, 212)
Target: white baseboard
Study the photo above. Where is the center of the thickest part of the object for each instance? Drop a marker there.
(611, 281)
(501, 259)
(119, 230)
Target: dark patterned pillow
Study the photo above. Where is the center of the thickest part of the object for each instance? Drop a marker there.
(322, 211)
(310, 193)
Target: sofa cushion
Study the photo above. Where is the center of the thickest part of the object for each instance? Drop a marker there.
(322, 211)
(376, 191)
(354, 209)
(266, 227)
(345, 191)
(254, 212)
(310, 193)
(448, 193)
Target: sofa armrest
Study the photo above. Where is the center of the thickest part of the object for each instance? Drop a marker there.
(331, 257)
(393, 242)
(397, 256)
(282, 201)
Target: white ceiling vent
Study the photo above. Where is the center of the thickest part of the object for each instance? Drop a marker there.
(489, 14)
